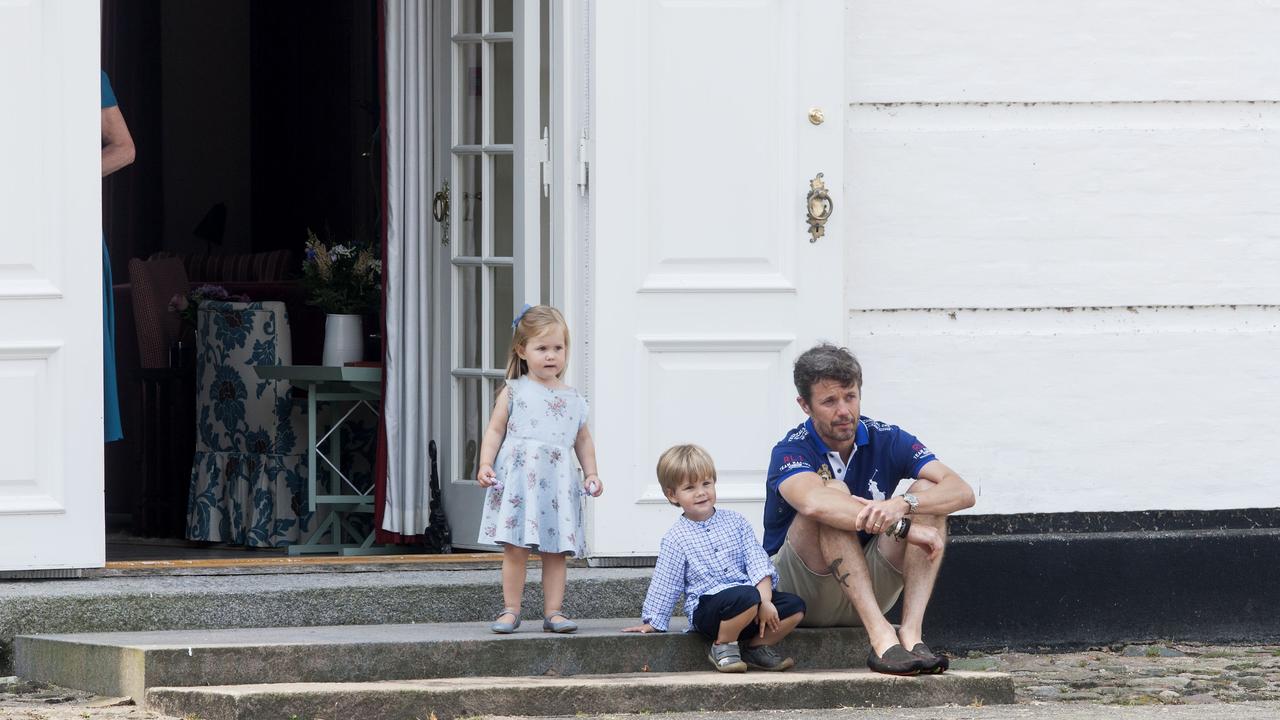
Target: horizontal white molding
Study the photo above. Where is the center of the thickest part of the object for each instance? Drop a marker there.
(715, 283)
(715, 343)
(1067, 320)
(30, 505)
(991, 116)
(28, 350)
(725, 492)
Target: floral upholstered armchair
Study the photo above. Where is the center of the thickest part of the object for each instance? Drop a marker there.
(249, 476)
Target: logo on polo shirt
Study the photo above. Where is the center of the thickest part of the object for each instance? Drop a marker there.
(801, 433)
(920, 451)
(824, 472)
(793, 462)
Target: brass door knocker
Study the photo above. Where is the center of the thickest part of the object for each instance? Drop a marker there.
(819, 206)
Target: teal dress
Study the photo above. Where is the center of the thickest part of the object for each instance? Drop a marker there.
(110, 393)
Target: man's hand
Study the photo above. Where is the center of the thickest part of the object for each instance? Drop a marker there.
(767, 617)
(880, 515)
(926, 538)
(645, 628)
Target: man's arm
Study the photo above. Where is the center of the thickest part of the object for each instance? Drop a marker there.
(810, 496)
(948, 494)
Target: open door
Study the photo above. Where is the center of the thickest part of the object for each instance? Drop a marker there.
(495, 230)
(707, 281)
(51, 481)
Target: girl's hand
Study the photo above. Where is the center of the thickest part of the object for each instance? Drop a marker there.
(486, 476)
(767, 617)
(645, 628)
(593, 485)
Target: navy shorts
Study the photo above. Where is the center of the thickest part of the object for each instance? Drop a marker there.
(732, 602)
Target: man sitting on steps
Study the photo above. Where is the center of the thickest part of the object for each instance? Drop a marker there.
(837, 538)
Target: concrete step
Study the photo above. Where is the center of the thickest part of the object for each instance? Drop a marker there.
(446, 699)
(128, 663)
(128, 604)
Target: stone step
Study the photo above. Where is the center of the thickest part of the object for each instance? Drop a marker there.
(128, 663)
(131, 604)
(446, 699)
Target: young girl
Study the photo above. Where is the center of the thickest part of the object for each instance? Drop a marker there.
(534, 492)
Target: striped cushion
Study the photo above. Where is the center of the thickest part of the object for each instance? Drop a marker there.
(273, 265)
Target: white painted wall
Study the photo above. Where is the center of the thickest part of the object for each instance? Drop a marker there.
(1063, 245)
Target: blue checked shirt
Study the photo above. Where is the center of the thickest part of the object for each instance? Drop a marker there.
(703, 558)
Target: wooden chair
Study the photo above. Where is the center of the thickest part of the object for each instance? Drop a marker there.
(166, 435)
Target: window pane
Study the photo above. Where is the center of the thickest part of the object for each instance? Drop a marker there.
(503, 116)
(470, 422)
(468, 316)
(504, 194)
(465, 212)
(503, 314)
(502, 15)
(469, 93)
(469, 20)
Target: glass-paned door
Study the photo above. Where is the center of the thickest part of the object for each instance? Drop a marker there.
(495, 233)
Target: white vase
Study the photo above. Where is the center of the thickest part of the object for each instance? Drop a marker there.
(343, 341)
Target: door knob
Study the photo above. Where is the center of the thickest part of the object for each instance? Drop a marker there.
(819, 206)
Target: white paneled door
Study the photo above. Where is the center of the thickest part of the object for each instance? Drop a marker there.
(51, 507)
(710, 120)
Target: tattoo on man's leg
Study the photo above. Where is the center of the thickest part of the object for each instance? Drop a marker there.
(834, 571)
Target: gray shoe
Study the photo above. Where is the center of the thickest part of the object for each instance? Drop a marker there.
(725, 658)
(506, 628)
(765, 657)
(563, 626)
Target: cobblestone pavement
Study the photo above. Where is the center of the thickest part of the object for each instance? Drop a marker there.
(1117, 681)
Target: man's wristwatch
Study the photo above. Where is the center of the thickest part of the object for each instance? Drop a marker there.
(913, 502)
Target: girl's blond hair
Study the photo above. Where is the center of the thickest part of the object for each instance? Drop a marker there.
(534, 322)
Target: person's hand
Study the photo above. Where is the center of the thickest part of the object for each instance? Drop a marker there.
(880, 516)
(645, 628)
(926, 538)
(486, 476)
(592, 485)
(767, 617)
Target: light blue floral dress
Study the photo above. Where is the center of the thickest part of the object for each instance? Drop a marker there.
(538, 499)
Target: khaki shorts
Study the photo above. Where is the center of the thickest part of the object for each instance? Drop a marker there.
(826, 605)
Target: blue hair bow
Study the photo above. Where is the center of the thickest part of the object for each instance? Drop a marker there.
(516, 322)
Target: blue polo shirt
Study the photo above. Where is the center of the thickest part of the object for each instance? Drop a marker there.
(883, 454)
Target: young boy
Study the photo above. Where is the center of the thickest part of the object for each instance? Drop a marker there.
(713, 559)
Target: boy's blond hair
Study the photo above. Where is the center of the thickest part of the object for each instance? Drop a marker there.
(683, 462)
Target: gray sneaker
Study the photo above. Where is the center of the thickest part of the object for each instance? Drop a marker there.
(725, 658)
(765, 657)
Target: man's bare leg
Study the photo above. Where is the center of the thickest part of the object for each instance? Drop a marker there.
(919, 573)
(831, 551)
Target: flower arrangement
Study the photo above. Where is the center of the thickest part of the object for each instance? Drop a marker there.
(343, 279)
(187, 306)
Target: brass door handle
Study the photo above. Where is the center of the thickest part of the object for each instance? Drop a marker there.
(440, 211)
(819, 207)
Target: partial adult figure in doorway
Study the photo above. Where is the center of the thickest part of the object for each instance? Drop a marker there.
(117, 152)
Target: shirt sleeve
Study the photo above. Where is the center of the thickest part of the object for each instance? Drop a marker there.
(108, 96)
(909, 454)
(758, 565)
(665, 588)
(788, 460)
(584, 408)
